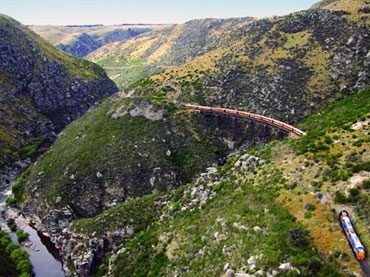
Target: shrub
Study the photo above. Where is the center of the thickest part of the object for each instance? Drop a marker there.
(21, 259)
(4, 241)
(24, 266)
(11, 224)
(340, 197)
(354, 192)
(21, 236)
(361, 167)
(358, 142)
(17, 188)
(11, 247)
(366, 184)
(34, 144)
(298, 238)
(19, 255)
(328, 140)
(11, 201)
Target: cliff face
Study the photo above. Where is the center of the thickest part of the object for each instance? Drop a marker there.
(42, 89)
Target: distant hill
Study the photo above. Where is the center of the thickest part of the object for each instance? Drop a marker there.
(42, 90)
(128, 62)
(81, 40)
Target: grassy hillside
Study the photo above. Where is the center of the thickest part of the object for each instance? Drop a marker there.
(278, 204)
(120, 150)
(73, 65)
(153, 52)
(354, 10)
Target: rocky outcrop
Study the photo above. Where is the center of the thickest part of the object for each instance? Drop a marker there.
(42, 89)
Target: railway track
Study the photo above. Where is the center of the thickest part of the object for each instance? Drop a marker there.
(247, 115)
(365, 267)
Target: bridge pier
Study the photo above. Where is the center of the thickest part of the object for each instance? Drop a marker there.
(266, 134)
(280, 134)
(267, 128)
(218, 122)
(234, 129)
(250, 133)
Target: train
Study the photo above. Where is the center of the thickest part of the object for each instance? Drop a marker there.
(355, 243)
(261, 118)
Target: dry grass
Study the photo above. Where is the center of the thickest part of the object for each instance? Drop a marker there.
(299, 39)
(318, 60)
(64, 34)
(165, 48)
(322, 223)
(349, 5)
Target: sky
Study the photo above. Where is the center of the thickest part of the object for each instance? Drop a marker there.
(109, 12)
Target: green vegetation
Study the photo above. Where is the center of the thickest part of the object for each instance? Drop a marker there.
(128, 150)
(25, 82)
(74, 66)
(243, 199)
(21, 235)
(241, 218)
(144, 260)
(11, 224)
(275, 212)
(18, 188)
(339, 115)
(32, 147)
(7, 267)
(14, 260)
(188, 241)
(117, 218)
(11, 201)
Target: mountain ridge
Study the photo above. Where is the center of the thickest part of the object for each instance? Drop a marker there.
(42, 88)
(83, 39)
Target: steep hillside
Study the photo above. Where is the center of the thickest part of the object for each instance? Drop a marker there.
(42, 90)
(82, 40)
(266, 211)
(285, 67)
(122, 149)
(149, 53)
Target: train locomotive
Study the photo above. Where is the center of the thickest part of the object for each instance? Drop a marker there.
(355, 243)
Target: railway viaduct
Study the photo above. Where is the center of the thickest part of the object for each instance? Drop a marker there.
(277, 124)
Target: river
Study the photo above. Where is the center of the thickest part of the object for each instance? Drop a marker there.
(45, 264)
